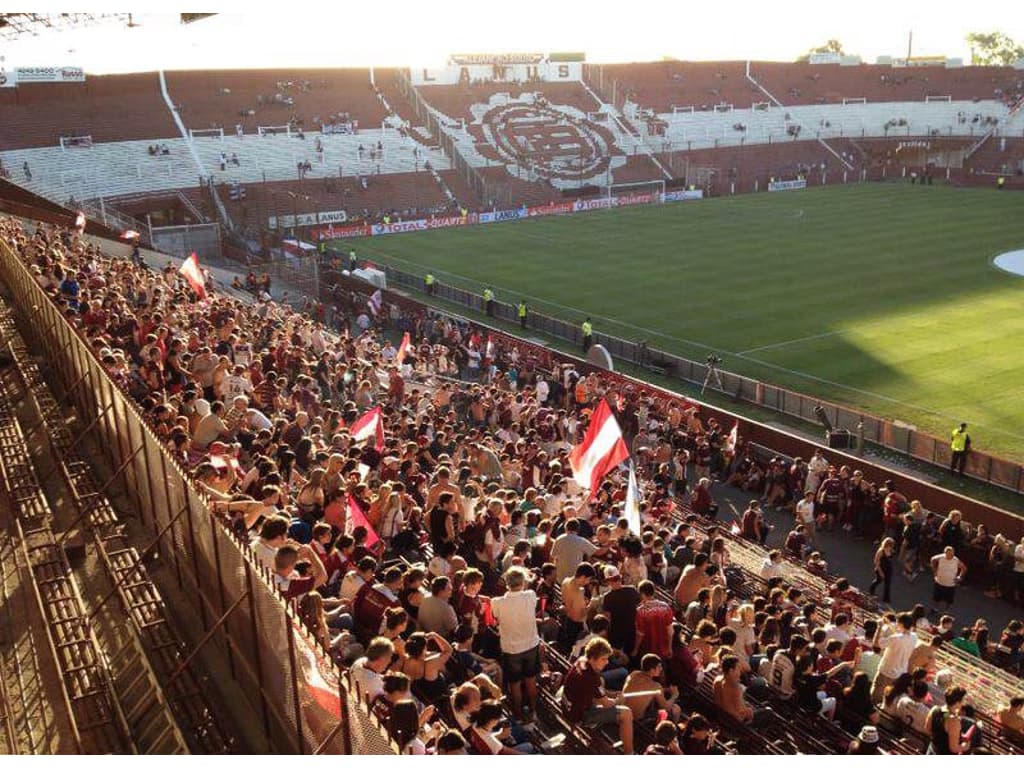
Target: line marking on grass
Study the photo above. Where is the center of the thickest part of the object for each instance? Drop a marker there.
(790, 341)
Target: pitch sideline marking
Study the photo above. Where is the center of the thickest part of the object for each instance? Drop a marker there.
(743, 355)
(790, 341)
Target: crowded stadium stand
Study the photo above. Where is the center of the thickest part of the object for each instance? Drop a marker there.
(349, 522)
(460, 469)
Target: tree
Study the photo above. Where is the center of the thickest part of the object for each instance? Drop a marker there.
(994, 49)
(831, 46)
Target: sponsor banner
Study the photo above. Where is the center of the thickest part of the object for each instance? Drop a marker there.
(495, 216)
(49, 75)
(782, 186)
(549, 209)
(338, 128)
(594, 205)
(639, 198)
(470, 59)
(340, 233)
(684, 194)
(419, 225)
(617, 201)
(308, 219)
(825, 58)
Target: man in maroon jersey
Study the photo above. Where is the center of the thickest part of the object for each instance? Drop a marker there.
(831, 494)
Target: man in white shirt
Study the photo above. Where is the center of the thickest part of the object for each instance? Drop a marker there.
(948, 570)
(805, 514)
(896, 649)
(838, 630)
(367, 672)
(783, 666)
(516, 614)
(771, 566)
(816, 469)
(542, 391)
(911, 707)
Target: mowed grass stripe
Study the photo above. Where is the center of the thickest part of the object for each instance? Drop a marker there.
(898, 276)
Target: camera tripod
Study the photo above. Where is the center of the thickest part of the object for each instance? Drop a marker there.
(712, 374)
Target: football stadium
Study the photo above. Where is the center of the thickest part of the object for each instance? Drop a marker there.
(342, 404)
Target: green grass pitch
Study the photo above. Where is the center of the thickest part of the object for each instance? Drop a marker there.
(881, 296)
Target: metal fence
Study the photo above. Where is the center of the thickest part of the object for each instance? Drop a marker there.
(883, 432)
(303, 703)
(180, 241)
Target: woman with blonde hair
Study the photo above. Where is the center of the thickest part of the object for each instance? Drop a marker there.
(883, 569)
(310, 500)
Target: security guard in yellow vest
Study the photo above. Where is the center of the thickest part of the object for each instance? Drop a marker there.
(522, 313)
(1001, 182)
(960, 444)
(588, 334)
(489, 302)
(428, 284)
(352, 263)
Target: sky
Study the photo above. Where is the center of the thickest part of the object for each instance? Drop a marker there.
(406, 33)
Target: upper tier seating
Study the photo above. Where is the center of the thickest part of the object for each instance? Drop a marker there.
(106, 107)
(663, 85)
(212, 99)
(818, 84)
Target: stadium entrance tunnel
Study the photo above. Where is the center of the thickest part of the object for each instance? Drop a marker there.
(1012, 262)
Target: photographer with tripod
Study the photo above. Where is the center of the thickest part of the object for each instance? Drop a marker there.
(712, 362)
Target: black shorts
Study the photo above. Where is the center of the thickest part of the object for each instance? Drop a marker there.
(943, 594)
(521, 666)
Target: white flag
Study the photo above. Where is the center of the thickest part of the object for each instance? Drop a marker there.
(632, 506)
(375, 301)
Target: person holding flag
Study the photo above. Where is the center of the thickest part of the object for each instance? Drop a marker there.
(191, 271)
(403, 350)
(601, 451)
(375, 302)
(369, 425)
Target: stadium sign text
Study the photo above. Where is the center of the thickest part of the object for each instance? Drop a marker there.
(471, 59)
(684, 194)
(49, 75)
(308, 219)
(782, 186)
(419, 225)
(494, 216)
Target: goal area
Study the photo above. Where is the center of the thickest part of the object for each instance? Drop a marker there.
(652, 187)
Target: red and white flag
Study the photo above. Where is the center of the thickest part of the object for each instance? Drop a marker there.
(80, 222)
(321, 683)
(731, 440)
(130, 234)
(191, 271)
(355, 519)
(375, 301)
(601, 451)
(370, 424)
(403, 350)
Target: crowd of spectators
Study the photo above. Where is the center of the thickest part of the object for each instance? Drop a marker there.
(474, 590)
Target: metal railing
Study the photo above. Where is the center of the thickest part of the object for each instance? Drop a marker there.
(276, 665)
